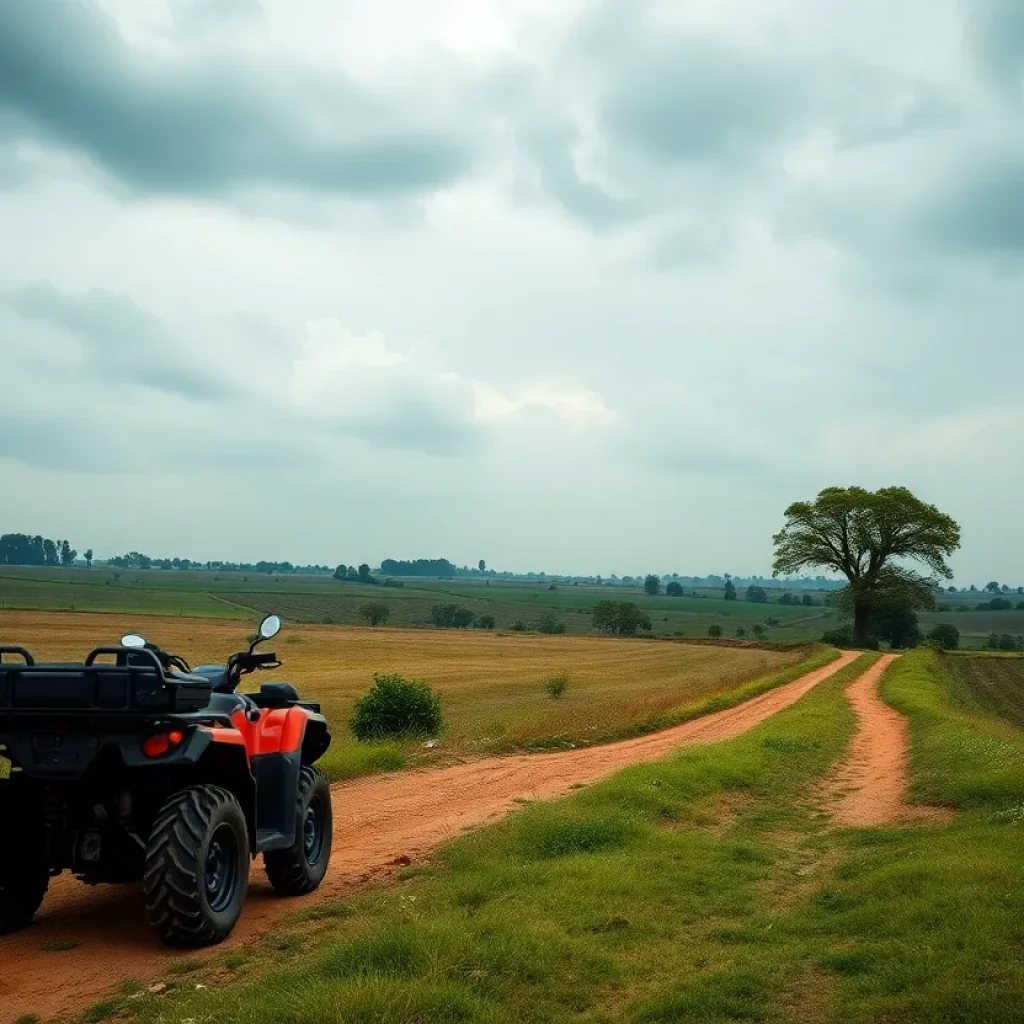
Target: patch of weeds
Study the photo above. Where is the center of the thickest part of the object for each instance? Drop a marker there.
(323, 912)
(28, 1018)
(58, 946)
(556, 685)
(234, 961)
(548, 836)
(284, 942)
(182, 967)
(103, 1010)
(393, 952)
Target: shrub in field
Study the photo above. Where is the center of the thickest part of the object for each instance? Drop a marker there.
(619, 618)
(757, 629)
(451, 616)
(842, 636)
(486, 622)
(396, 708)
(519, 626)
(376, 613)
(741, 632)
(757, 595)
(772, 621)
(714, 632)
(1001, 642)
(548, 622)
(556, 685)
(674, 589)
(946, 636)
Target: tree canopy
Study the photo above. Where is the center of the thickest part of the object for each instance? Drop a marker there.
(866, 536)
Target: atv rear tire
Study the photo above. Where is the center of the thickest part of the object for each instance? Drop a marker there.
(300, 869)
(24, 875)
(197, 867)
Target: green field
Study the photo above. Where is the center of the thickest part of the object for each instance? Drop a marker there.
(995, 682)
(709, 887)
(320, 599)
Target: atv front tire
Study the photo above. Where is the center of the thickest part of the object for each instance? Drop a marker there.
(24, 875)
(300, 868)
(197, 867)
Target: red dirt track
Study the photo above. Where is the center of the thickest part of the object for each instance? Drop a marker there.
(378, 821)
(870, 786)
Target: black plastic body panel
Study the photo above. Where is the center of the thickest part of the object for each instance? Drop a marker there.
(99, 687)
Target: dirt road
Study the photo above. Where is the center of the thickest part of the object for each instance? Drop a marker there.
(88, 940)
(870, 786)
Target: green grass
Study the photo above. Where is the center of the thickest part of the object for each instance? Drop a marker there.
(349, 760)
(708, 887)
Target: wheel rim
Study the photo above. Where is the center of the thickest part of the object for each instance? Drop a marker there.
(221, 874)
(313, 831)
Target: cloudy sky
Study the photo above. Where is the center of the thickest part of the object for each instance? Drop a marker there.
(563, 284)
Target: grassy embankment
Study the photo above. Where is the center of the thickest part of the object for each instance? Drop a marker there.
(709, 887)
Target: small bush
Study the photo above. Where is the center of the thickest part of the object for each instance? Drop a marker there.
(396, 708)
(556, 685)
(485, 622)
(741, 632)
(548, 622)
(519, 626)
(714, 632)
(451, 616)
(945, 636)
(375, 612)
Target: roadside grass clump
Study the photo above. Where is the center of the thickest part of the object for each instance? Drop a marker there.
(555, 686)
(350, 760)
(397, 708)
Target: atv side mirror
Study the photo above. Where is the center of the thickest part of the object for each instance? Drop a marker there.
(133, 640)
(270, 626)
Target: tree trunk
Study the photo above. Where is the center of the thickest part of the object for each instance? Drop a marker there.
(861, 614)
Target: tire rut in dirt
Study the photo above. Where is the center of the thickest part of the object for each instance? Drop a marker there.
(179, 904)
(299, 870)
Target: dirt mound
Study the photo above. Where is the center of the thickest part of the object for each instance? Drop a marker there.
(88, 940)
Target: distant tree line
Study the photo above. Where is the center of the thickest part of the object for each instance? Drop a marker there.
(22, 549)
(418, 567)
(137, 560)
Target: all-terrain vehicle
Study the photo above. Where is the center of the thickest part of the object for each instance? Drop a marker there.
(130, 766)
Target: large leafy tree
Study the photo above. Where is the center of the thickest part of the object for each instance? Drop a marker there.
(868, 536)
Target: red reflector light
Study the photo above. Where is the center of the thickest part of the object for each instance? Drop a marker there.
(160, 743)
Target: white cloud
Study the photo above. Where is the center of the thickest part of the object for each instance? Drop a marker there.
(576, 406)
(773, 280)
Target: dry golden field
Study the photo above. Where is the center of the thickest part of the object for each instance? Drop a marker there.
(491, 684)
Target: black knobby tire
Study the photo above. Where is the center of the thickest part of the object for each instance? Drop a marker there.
(300, 869)
(24, 874)
(197, 867)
